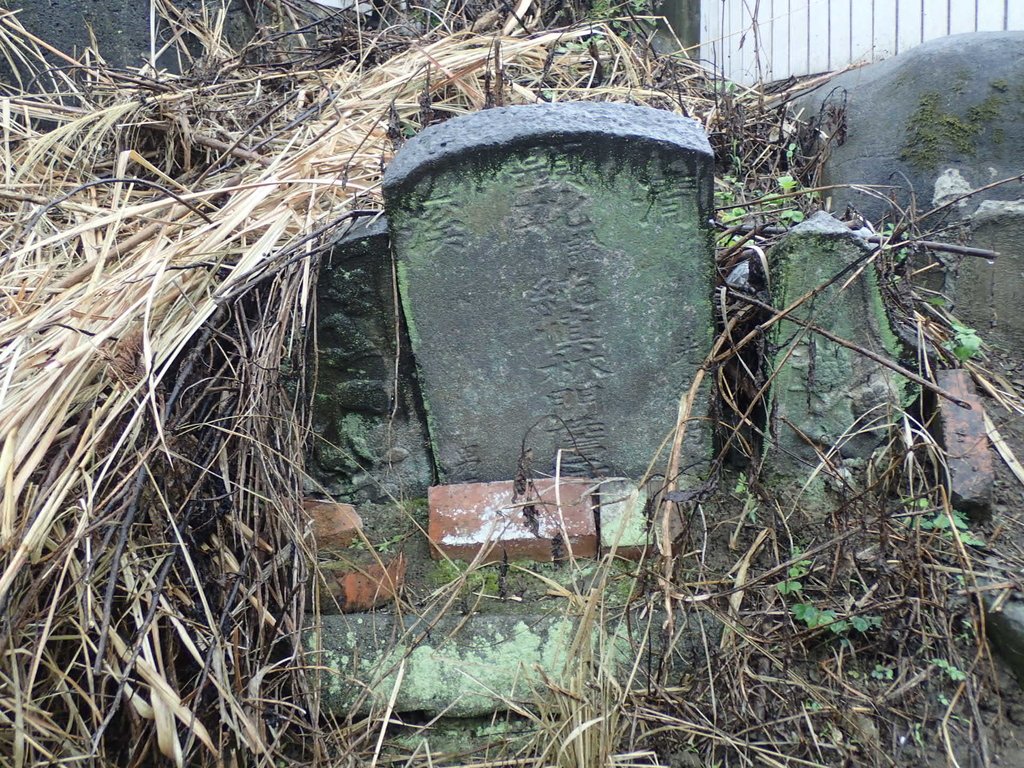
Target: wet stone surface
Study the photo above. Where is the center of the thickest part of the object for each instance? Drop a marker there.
(555, 269)
(826, 395)
(988, 295)
(121, 29)
(468, 666)
(370, 441)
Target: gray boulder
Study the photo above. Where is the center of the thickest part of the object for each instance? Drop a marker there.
(942, 119)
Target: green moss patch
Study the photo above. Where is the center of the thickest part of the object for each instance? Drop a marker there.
(934, 134)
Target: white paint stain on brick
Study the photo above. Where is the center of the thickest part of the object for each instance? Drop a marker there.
(499, 519)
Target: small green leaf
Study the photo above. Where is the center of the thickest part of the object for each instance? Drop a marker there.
(860, 623)
(825, 618)
(955, 674)
(882, 672)
(804, 612)
(965, 344)
(839, 627)
(789, 587)
(971, 540)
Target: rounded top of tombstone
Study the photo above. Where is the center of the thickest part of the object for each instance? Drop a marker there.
(542, 125)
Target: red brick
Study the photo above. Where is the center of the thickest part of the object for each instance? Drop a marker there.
(368, 586)
(467, 518)
(334, 525)
(968, 451)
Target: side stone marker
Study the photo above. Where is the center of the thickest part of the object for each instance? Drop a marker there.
(368, 447)
(989, 296)
(824, 394)
(555, 268)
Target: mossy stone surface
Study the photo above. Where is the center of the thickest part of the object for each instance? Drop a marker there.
(953, 105)
(555, 270)
(470, 666)
(464, 676)
(824, 394)
(370, 438)
(989, 295)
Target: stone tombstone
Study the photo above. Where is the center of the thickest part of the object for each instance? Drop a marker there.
(370, 440)
(823, 393)
(555, 267)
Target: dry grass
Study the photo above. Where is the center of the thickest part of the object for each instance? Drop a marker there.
(161, 236)
(160, 245)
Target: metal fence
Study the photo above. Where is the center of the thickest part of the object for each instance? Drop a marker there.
(751, 40)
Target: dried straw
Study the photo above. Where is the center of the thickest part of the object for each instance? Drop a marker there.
(160, 239)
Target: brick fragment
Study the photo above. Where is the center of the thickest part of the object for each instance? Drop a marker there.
(368, 586)
(968, 451)
(546, 526)
(335, 525)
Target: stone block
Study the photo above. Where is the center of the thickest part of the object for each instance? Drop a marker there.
(624, 526)
(552, 521)
(823, 393)
(364, 582)
(968, 451)
(367, 447)
(468, 666)
(988, 295)
(555, 267)
(335, 525)
(121, 29)
(1005, 631)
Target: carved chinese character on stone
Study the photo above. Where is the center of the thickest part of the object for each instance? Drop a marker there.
(555, 269)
